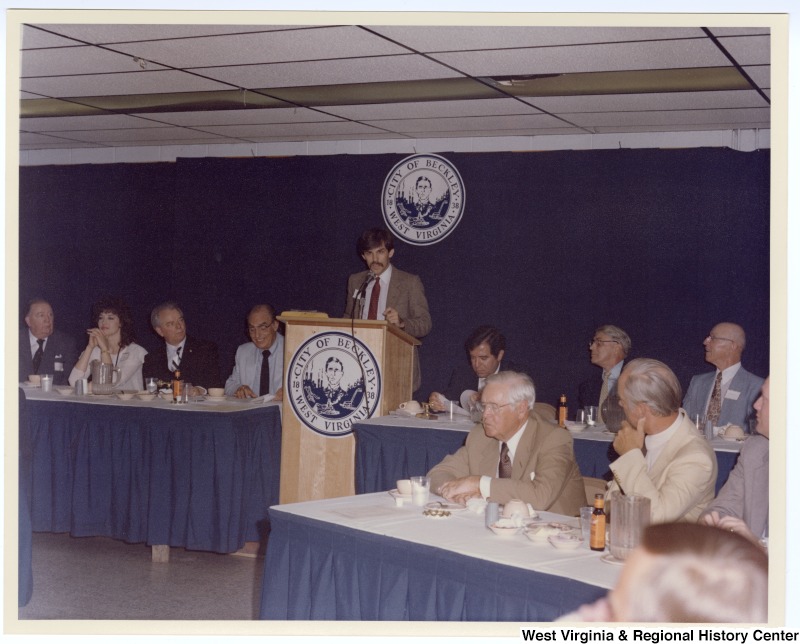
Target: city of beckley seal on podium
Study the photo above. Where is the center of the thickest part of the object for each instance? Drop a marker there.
(331, 385)
(423, 199)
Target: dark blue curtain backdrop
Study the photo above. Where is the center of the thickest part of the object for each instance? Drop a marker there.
(664, 243)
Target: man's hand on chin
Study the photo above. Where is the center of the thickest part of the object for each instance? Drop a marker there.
(461, 490)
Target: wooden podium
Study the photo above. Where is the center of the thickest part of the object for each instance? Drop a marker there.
(336, 372)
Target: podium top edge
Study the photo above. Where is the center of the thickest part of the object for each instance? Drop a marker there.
(347, 323)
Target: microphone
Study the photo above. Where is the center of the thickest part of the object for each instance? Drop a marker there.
(363, 288)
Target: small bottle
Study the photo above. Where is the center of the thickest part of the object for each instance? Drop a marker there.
(597, 535)
(562, 411)
(177, 387)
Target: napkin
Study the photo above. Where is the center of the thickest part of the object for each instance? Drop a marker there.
(476, 505)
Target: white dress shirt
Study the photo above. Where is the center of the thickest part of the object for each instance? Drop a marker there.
(384, 278)
(486, 481)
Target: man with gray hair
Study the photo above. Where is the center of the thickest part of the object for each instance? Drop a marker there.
(662, 455)
(608, 349)
(197, 360)
(258, 366)
(512, 454)
(727, 394)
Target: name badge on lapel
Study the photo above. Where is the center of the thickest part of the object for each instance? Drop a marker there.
(732, 395)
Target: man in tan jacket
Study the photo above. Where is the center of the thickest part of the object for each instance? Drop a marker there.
(513, 454)
(662, 455)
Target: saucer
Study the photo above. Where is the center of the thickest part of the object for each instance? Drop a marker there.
(395, 494)
(611, 559)
(444, 505)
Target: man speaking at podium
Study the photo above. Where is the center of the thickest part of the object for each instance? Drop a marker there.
(384, 292)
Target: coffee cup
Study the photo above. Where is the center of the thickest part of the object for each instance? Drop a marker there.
(734, 432)
(404, 486)
(412, 407)
(35, 380)
(516, 507)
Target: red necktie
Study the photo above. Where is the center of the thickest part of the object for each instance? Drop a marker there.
(373, 300)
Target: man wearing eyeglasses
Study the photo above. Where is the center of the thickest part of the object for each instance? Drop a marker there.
(513, 454)
(259, 364)
(727, 394)
(608, 348)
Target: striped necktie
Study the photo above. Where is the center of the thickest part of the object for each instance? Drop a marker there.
(505, 467)
(176, 361)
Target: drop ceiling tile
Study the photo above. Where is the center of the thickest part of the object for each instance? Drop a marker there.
(62, 61)
(430, 39)
(74, 123)
(363, 70)
(117, 33)
(120, 84)
(269, 47)
(124, 143)
(748, 50)
(660, 101)
(243, 117)
(678, 117)
(33, 38)
(588, 58)
(33, 138)
(430, 109)
(760, 74)
(469, 123)
(290, 129)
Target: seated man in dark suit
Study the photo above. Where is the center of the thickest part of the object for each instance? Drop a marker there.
(513, 454)
(727, 394)
(486, 348)
(42, 349)
(197, 360)
(609, 347)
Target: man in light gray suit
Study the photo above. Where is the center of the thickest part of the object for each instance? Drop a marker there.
(738, 388)
(742, 504)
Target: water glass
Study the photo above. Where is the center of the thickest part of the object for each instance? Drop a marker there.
(580, 416)
(492, 512)
(630, 515)
(700, 423)
(152, 385)
(420, 489)
(47, 382)
(586, 523)
(591, 415)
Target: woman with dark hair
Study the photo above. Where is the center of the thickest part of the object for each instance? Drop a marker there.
(111, 342)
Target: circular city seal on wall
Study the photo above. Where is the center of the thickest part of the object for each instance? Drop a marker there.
(423, 199)
(334, 381)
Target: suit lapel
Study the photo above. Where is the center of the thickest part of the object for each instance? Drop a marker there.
(393, 293)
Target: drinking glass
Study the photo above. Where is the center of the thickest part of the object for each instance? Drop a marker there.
(420, 489)
(152, 385)
(580, 416)
(591, 415)
(630, 515)
(586, 523)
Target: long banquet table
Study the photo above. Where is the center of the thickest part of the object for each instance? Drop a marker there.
(362, 558)
(199, 476)
(389, 448)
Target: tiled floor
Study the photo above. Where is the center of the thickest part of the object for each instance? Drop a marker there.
(99, 578)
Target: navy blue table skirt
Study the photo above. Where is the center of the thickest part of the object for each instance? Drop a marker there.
(199, 480)
(316, 570)
(385, 454)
